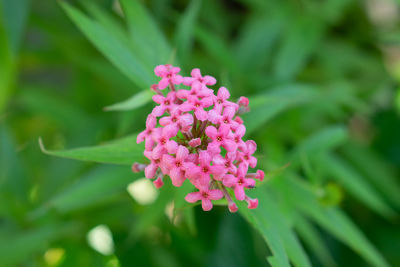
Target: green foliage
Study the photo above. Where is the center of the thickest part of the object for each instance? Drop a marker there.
(118, 152)
(316, 81)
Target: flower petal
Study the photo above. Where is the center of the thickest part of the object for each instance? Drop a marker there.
(206, 204)
(150, 170)
(196, 73)
(201, 114)
(215, 194)
(239, 192)
(229, 111)
(160, 70)
(182, 153)
(211, 132)
(193, 197)
(223, 93)
(204, 158)
(229, 180)
(213, 116)
(209, 80)
(177, 178)
(163, 83)
(229, 145)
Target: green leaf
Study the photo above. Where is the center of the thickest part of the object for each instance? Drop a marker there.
(256, 40)
(8, 66)
(153, 213)
(321, 141)
(15, 248)
(107, 21)
(185, 30)
(265, 107)
(267, 216)
(270, 236)
(273, 217)
(301, 38)
(332, 219)
(14, 186)
(111, 47)
(40, 101)
(95, 187)
(121, 151)
(136, 101)
(217, 48)
(342, 172)
(15, 15)
(145, 33)
(375, 169)
(313, 239)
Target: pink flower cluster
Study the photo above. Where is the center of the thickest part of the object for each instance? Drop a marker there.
(196, 135)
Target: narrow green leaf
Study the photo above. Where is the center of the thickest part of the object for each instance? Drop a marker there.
(136, 101)
(376, 170)
(217, 48)
(301, 38)
(185, 30)
(269, 214)
(256, 39)
(153, 213)
(342, 172)
(270, 236)
(39, 100)
(321, 141)
(110, 23)
(13, 179)
(15, 15)
(95, 187)
(122, 151)
(8, 66)
(265, 107)
(332, 219)
(145, 33)
(15, 248)
(111, 47)
(313, 239)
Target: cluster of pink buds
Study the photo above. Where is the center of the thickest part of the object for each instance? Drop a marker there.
(196, 135)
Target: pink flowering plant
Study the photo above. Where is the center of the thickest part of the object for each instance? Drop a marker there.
(196, 135)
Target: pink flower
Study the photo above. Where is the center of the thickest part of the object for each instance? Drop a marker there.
(205, 195)
(197, 136)
(238, 135)
(195, 142)
(169, 75)
(196, 90)
(176, 165)
(177, 119)
(226, 161)
(198, 106)
(246, 156)
(243, 103)
(166, 104)
(159, 182)
(221, 137)
(205, 169)
(151, 169)
(226, 117)
(258, 175)
(146, 135)
(137, 167)
(197, 78)
(221, 100)
(162, 138)
(252, 203)
(239, 182)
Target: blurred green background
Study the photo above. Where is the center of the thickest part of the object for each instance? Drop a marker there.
(322, 77)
